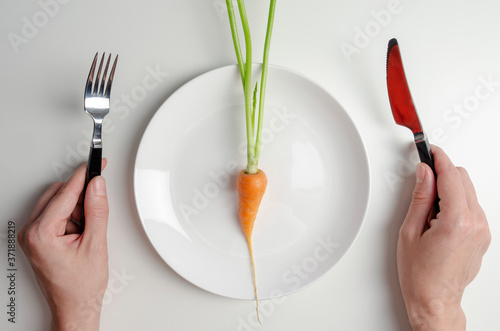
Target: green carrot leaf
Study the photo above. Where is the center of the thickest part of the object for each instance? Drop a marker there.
(254, 104)
(236, 40)
(267, 45)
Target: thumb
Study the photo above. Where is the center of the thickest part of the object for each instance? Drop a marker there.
(96, 210)
(422, 200)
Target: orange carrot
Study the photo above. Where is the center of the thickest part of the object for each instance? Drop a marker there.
(251, 188)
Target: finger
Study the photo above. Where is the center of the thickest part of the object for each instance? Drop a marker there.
(470, 192)
(96, 212)
(60, 208)
(43, 201)
(72, 228)
(66, 202)
(76, 215)
(72, 225)
(39, 207)
(449, 183)
(476, 210)
(421, 204)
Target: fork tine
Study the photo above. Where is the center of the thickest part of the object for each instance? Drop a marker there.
(103, 80)
(90, 79)
(96, 85)
(111, 75)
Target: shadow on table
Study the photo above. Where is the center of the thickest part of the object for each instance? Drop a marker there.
(396, 219)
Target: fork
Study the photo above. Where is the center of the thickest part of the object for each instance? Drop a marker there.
(96, 104)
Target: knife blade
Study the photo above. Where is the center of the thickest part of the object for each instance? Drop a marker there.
(403, 108)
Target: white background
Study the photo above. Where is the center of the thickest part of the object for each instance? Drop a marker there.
(449, 48)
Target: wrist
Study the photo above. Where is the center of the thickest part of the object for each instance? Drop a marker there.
(78, 321)
(436, 316)
(76, 312)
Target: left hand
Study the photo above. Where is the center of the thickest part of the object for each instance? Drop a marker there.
(71, 268)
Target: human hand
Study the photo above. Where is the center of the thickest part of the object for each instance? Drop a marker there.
(438, 258)
(71, 268)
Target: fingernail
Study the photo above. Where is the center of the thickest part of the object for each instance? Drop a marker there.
(420, 172)
(99, 186)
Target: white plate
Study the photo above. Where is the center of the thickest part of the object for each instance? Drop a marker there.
(185, 184)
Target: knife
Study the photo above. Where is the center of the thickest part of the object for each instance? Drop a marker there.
(402, 106)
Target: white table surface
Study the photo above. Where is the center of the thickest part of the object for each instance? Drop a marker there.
(451, 50)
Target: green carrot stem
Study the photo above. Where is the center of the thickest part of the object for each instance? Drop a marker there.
(254, 104)
(236, 40)
(267, 45)
(254, 138)
(251, 162)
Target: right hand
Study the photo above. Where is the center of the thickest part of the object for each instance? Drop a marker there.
(437, 259)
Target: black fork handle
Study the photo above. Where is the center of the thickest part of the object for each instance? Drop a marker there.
(93, 170)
